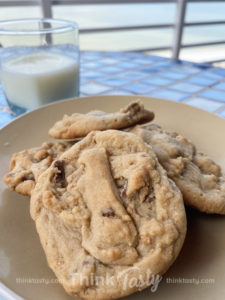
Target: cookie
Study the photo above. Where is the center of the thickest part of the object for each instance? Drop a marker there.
(108, 217)
(26, 166)
(79, 125)
(199, 178)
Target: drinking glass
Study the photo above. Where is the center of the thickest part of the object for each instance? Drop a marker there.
(39, 62)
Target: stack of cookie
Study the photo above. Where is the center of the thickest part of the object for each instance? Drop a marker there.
(108, 205)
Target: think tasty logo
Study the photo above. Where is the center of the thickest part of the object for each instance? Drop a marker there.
(128, 278)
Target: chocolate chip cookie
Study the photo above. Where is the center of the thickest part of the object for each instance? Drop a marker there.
(79, 125)
(199, 178)
(108, 217)
(26, 166)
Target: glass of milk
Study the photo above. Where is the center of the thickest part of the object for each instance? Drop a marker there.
(39, 62)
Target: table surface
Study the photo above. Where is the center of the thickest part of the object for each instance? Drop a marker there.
(131, 73)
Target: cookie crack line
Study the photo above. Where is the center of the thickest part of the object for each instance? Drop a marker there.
(107, 205)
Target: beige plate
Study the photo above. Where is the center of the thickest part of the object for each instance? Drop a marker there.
(21, 255)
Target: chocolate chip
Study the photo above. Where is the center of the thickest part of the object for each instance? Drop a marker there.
(59, 164)
(59, 177)
(108, 212)
(28, 177)
(150, 196)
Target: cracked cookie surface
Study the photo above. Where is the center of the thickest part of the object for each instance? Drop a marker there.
(106, 209)
(79, 125)
(199, 178)
(27, 165)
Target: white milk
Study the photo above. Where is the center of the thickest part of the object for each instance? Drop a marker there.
(35, 79)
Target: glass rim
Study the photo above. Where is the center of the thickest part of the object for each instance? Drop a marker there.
(64, 26)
